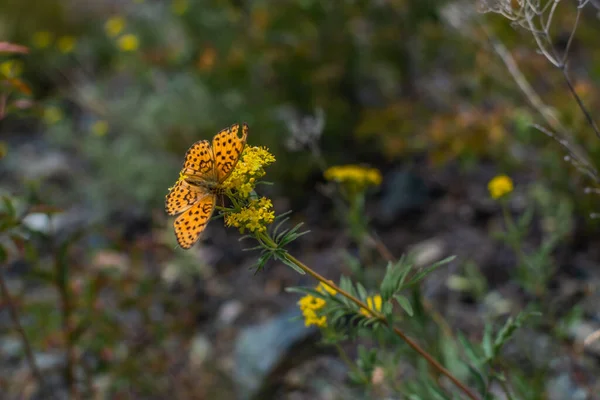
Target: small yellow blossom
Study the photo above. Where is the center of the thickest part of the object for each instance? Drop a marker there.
(311, 302)
(374, 303)
(52, 115)
(310, 305)
(254, 217)
(99, 128)
(249, 168)
(114, 26)
(354, 175)
(322, 288)
(179, 7)
(42, 39)
(11, 68)
(500, 186)
(128, 42)
(66, 44)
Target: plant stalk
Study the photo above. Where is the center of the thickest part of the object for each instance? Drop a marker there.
(434, 363)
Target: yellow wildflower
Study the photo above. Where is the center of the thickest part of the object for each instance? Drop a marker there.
(99, 128)
(52, 115)
(42, 39)
(322, 288)
(66, 44)
(249, 168)
(114, 26)
(374, 303)
(254, 217)
(11, 68)
(500, 186)
(312, 318)
(128, 42)
(311, 302)
(354, 175)
(179, 7)
(310, 305)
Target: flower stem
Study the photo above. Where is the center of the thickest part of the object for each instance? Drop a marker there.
(14, 316)
(434, 363)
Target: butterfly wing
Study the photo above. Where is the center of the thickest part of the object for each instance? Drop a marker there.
(227, 148)
(189, 225)
(181, 197)
(200, 162)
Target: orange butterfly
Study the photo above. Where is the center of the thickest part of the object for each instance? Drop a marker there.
(204, 170)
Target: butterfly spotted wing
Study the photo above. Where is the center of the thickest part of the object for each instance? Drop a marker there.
(200, 162)
(203, 164)
(182, 196)
(227, 148)
(190, 225)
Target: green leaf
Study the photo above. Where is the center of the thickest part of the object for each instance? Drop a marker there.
(486, 342)
(478, 378)
(362, 292)
(8, 206)
(404, 303)
(426, 271)
(292, 265)
(469, 348)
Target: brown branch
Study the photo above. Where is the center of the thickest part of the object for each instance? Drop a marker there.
(414, 345)
(14, 316)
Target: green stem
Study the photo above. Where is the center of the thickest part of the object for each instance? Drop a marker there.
(433, 362)
(349, 362)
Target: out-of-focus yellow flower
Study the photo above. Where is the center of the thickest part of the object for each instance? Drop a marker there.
(500, 186)
(11, 68)
(254, 217)
(99, 128)
(42, 39)
(207, 59)
(179, 7)
(310, 305)
(114, 26)
(128, 42)
(354, 175)
(311, 302)
(52, 115)
(374, 303)
(322, 288)
(66, 44)
(249, 168)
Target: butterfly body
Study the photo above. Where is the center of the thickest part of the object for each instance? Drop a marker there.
(204, 170)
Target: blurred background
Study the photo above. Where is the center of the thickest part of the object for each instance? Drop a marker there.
(99, 112)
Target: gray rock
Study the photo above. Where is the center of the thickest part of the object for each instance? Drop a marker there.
(266, 351)
(402, 191)
(563, 387)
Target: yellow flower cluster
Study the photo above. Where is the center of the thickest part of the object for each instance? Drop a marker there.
(114, 26)
(254, 217)
(249, 168)
(500, 186)
(43, 39)
(374, 303)
(354, 175)
(310, 305)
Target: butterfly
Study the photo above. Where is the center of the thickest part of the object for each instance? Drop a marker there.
(204, 170)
